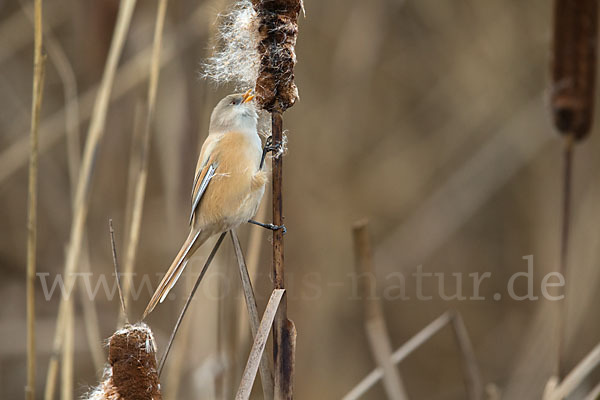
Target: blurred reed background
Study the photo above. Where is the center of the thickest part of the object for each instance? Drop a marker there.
(428, 117)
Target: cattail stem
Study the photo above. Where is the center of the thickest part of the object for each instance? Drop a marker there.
(38, 90)
(283, 366)
(573, 86)
(564, 248)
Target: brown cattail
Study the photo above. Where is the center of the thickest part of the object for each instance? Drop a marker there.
(278, 29)
(131, 374)
(574, 65)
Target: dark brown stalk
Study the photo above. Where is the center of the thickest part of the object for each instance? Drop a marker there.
(574, 65)
(573, 87)
(282, 346)
(276, 92)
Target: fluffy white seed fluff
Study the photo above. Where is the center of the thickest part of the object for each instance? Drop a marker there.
(235, 57)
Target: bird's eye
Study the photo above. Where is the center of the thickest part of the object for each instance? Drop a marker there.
(235, 102)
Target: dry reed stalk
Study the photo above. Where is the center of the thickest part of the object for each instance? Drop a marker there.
(135, 165)
(66, 381)
(375, 326)
(68, 79)
(16, 32)
(188, 301)
(472, 375)
(36, 105)
(95, 134)
(404, 351)
(129, 76)
(258, 348)
(266, 376)
(473, 383)
(140, 188)
(573, 88)
(576, 376)
(255, 239)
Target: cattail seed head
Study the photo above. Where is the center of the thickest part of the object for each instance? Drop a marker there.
(278, 29)
(574, 65)
(257, 40)
(131, 374)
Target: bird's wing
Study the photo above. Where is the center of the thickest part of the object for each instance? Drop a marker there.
(205, 170)
(201, 182)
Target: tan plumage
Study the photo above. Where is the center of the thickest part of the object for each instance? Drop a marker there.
(228, 184)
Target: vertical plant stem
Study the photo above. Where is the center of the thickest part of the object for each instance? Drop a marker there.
(66, 383)
(564, 248)
(472, 376)
(38, 90)
(281, 338)
(140, 188)
(84, 182)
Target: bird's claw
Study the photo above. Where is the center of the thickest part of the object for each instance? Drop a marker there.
(271, 227)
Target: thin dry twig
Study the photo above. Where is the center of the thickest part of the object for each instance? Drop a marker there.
(472, 375)
(375, 325)
(258, 347)
(265, 369)
(142, 178)
(95, 134)
(38, 92)
(188, 301)
(113, 247)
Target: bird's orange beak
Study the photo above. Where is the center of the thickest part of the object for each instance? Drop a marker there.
(248, 96)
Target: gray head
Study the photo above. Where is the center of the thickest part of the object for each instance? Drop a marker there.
(235, 112)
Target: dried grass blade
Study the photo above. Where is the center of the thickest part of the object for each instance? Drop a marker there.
(265, 369)
(258, 347)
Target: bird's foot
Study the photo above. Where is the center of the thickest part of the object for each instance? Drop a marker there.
(271, 227)
(269, 147)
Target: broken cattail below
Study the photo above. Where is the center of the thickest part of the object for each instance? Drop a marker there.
(131, 373)
(257, 50)
(574, 65)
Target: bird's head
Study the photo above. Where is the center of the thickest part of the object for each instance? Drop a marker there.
(235, 112)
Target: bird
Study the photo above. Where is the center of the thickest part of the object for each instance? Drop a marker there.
(229, 182)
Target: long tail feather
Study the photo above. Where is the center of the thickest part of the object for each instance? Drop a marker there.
(174, 272)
